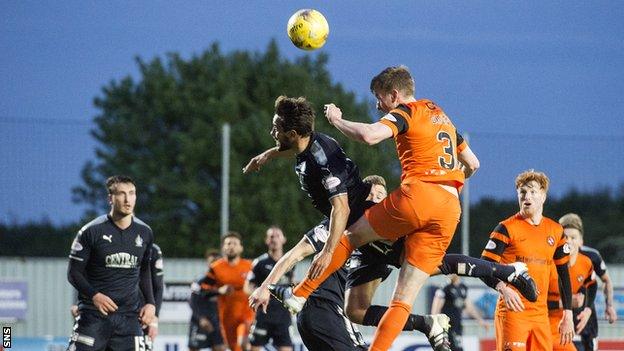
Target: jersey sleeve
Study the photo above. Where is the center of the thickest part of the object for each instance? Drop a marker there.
(334, 175)
(254, 273)
(317, 237)
(461, 142)
(599, 264)
(81, 246)
(397, 120)
(562, 252)
(157, 272)
(499, 240)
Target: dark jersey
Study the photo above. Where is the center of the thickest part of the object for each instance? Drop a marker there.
(109, 260)
(454, 301)
(203, 300)
(333, 288)
(325, 171)
(261, 267)
(600, 268)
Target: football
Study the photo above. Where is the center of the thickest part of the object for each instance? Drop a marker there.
(308, 29)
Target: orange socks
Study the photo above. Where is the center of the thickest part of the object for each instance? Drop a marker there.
(391, 325)
(341, 254)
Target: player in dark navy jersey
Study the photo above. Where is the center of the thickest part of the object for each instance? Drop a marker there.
(452, 300)
(205, 327)
(589, 334)
(109, 263)
(274, 325)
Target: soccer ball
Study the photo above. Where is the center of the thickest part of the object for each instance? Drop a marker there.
(307, 29)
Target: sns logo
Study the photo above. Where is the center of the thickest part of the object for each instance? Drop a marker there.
(6, 337)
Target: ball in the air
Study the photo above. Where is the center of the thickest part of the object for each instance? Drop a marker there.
(308, 29)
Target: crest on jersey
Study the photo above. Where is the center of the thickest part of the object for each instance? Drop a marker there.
(331, 182)
(76, 246)
(138, 241)
(580, 278)
(566, 248)
(551, 241)
(491, 245)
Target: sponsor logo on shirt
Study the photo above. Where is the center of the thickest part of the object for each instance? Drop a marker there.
(108, 238)
(121, 260)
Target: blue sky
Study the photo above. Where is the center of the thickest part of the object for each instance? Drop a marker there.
(535, 84)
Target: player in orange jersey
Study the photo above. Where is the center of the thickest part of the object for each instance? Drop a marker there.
(581, 277)
(425, 208)
(538, 241)
(228, 275)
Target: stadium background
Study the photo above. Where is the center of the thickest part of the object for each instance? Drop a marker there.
(45, 139)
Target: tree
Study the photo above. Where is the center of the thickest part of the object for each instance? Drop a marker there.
(164, 131)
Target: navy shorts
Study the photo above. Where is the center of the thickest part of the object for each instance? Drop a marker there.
(264, 330)
(94, 331)
(200, 338)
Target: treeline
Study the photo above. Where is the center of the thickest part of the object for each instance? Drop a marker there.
(164, 129)
(602, 213)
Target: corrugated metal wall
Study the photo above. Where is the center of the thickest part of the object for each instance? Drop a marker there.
(50, 295)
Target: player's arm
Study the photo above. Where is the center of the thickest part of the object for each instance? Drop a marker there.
(469, 163)
(337, 225)
(590, 287)
(261, 159)
(158, 281)
(494, 249)
(561, 258)
(369, 133)
(148, 311)
(608, 293)
(438, 301)
(473, 312)
(250, 282)
(260, 296)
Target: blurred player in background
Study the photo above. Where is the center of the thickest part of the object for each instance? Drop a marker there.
(205, 327)
(274, 324)
(538, 241)
(589, 334)
(452, 300)
(109, 263)
(227, 276)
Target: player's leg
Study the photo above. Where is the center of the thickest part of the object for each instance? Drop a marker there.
(259, 335)
(411, 279)
(91, 332)
(229, 328)
(280, 336)
(517, 273)
(512, 334)
(128, 334)
(541, 339)
(323, 326)
(455, 338)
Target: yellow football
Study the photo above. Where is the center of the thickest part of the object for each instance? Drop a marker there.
(308, 29)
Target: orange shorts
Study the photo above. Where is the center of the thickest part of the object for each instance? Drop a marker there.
(515, 332)
(554, 317)
(426, 214)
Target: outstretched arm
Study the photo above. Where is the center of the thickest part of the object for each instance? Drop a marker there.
(369, 133)
(260, 160)
(261, 296)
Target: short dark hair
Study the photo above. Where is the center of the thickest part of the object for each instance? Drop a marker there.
(295, 114)
(397, 77)
(232, 234)
(116, 179)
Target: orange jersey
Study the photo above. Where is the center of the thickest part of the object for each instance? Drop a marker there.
(427, 143)
(235, 304)
(539, 246)
(581, 275)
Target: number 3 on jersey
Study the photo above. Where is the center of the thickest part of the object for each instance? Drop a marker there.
(449, 151)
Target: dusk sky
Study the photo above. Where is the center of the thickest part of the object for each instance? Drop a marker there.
(535, 84)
